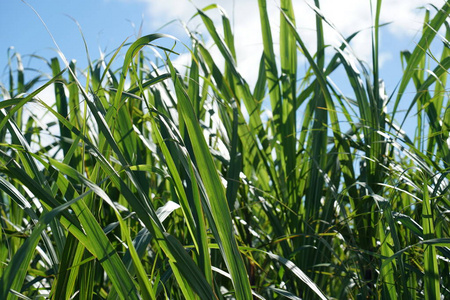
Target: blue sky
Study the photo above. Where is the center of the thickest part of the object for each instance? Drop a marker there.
(104, 24)
(107, 23)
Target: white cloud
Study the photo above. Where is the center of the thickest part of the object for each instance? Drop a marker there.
(347, 15)
(406, 16)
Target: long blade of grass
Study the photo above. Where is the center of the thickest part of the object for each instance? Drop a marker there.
(431, 278)
(218, 203)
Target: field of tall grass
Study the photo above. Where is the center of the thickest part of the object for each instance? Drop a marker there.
(149, 182)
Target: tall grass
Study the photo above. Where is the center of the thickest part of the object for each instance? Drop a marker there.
(148, 183)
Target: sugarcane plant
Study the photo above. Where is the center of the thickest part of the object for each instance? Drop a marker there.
(159, 182)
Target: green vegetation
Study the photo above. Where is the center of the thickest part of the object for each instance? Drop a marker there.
(144, 183)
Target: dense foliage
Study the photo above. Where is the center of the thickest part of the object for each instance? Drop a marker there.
(150, 183)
